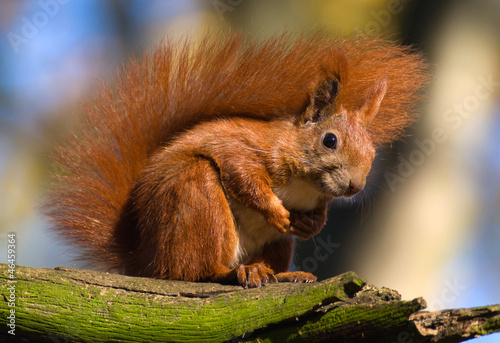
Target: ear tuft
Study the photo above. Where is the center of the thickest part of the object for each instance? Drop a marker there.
(323, 96)
(325, 93)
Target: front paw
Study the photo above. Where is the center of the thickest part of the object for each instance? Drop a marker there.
(307, 224)
(278, 216)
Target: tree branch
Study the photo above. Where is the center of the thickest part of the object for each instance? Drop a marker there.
(88, 306)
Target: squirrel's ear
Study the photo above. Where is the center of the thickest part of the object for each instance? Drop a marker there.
(372, 106)
(323, 96)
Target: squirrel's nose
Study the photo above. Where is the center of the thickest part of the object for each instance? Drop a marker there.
(354, 187)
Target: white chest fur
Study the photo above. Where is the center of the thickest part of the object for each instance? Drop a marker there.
(253, 230)
(299, 195)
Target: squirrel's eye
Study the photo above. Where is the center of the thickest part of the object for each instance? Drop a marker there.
(330, 141)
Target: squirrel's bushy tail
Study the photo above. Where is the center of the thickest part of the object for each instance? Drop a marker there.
(179, 85)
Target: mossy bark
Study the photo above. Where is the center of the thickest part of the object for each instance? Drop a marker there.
(88, 306)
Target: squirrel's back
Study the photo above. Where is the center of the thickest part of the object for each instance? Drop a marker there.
(180, 84)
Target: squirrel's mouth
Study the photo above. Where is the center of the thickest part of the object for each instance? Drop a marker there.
(332, 189)
(331, 186)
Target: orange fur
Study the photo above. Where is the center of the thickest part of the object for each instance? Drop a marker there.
(99, 202)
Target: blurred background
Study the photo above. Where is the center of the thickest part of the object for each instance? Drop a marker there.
(429, 222)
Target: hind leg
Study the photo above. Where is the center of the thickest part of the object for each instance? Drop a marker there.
(185, 229)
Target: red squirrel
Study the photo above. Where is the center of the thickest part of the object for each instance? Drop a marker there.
(203, 163)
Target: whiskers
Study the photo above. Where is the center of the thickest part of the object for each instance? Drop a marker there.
(366, 200)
